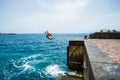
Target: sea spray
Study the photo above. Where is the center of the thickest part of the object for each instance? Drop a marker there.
(54, 70)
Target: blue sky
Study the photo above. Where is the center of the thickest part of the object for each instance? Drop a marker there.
(58, 16)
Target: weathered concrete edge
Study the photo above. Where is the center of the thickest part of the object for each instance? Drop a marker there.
(102, 66)
(95, 54)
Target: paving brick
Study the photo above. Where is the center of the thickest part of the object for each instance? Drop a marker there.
(110, 46)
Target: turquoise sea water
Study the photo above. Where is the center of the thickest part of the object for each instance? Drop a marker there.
(33, 56)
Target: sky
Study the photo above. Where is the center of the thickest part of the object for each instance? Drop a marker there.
(58, 16)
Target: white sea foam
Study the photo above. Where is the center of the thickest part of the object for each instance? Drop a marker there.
(31, 57)
(34, 56)
(22, 66)
(25, 66)
(54, 70)
(37, 63)
(30, 60)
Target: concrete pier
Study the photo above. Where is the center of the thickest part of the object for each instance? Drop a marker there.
(102, 66)
(105, 35)
(90, 61)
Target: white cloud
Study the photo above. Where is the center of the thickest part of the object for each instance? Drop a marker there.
(70, 6)
(60, 13)
(69, 23)
(62, 6)
(61, 16)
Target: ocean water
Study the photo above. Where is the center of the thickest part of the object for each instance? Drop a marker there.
(33, 56)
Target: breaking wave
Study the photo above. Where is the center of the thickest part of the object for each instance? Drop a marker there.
(54, 70)
(38, 64)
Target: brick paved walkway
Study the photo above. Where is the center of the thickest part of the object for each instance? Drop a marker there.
(110, 46)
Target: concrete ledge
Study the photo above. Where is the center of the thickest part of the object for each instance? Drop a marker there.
(76, 42)
(105, 35)
(102, 67)
(94, 63)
